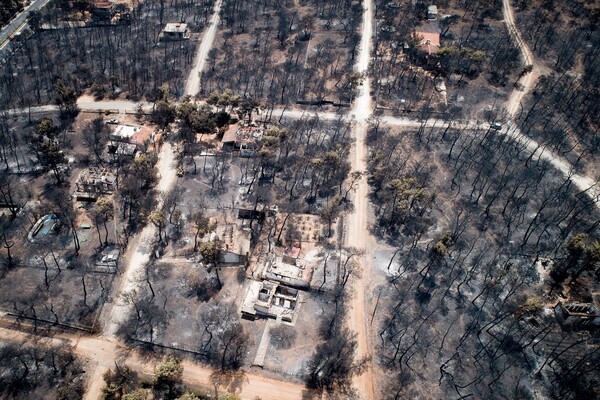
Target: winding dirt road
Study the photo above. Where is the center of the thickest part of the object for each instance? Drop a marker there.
(528, 81)
(583, 183)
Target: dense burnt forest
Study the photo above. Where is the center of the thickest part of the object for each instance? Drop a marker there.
(35, 371)
(126, 58)
(9, 9)
(472, 217)
(562, 111)
(283, 51)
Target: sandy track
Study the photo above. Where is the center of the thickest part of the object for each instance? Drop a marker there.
(357, 235)
(104, 353)
(102, 350)
(141, 250)
(193, 83)
(527, 82)
(357, 232)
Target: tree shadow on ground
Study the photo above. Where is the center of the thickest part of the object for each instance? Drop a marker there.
(309, 394)
(228, 381)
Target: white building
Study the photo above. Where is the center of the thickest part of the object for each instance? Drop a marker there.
(175, 31)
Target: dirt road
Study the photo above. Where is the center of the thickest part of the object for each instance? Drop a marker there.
(140, 251)
(527, 82)
(357, 234)
(247, 386)
(583, 183)
(117, 311)
(104, 352)
(193, 83)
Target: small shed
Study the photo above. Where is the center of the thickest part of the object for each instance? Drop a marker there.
(251, 213)
(432, 12)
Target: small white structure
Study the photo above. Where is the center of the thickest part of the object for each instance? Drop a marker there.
(124, 132)
(140, 136)
(175, 31)
(432, 12)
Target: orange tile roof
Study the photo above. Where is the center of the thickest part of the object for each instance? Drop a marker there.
(430, 42)
(103, 4)
(142, 137)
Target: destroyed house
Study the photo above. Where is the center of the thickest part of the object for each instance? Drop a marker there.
(94, 182)
(246, 139)
(270, 300)
(289, 269)
(123, 149)
(236, 244)
(577, 315)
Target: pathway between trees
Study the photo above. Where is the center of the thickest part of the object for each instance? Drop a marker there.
(135, 260)
(357, 229)
(527, 82)
(193, 83)
(141, 251)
